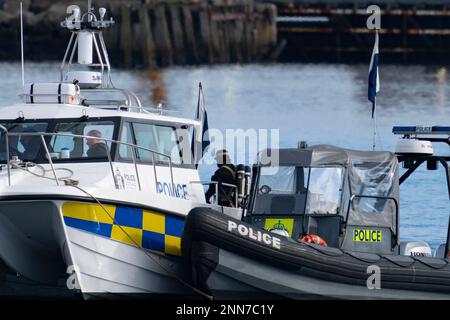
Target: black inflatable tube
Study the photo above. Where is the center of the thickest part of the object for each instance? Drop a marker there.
(331, 264)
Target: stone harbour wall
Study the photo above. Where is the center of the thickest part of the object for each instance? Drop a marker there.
(149, 33)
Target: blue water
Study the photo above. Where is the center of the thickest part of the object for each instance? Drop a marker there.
(320, 103)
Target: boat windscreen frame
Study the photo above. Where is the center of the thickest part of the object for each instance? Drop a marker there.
(52, 124)
(346, 197)
(117, 121)
(177, 126)
(256, 172)
(353, 196)
(418, 161)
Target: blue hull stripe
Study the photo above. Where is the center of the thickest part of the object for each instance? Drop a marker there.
(101, 229)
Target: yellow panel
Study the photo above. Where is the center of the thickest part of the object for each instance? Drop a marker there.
(154, 222)
(367, 235)
(89, 212)
(281, 224)
(123, 234)
(173, 245)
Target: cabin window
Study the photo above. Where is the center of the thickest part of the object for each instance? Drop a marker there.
(162, 139)
(125, 151)
(67, 146)
(26, 147)
(281, 182)
(372, 182)
(281, 190)
(324, 190)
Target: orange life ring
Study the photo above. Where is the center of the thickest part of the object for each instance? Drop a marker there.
(314, 238)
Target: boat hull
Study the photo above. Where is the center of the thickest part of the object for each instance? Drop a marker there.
(54, 242)
(234, 260)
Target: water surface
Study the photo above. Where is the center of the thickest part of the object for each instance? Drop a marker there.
(319, 103)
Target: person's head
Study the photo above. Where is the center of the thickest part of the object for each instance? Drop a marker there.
(96, 137)
(222, 157)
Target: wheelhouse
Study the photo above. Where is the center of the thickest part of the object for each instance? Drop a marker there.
(66, 140)
(349, 198)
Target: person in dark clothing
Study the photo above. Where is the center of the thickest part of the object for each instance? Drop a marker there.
(31, 145)
(97, 147)
(225, 174)
(13, 143)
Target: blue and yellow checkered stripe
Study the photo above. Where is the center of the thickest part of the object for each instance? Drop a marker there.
(150, 230)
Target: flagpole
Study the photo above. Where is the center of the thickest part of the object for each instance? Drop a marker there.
(374, 124)
(374, 87)
(198, 147)
(199, 97)
(375, 106)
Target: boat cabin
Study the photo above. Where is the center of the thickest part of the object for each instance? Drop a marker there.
(95, 138)
(86, 126)
(349, 198)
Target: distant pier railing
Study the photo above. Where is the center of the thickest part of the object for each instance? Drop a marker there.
(151, 33)
(411, 31)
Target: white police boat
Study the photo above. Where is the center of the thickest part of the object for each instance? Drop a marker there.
(94, 188)
(324, 224)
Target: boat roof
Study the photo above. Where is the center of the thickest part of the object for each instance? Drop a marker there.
(64, 111)
(322, 155)
(421, 130)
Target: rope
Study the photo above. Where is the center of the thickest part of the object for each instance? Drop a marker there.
(28, 165)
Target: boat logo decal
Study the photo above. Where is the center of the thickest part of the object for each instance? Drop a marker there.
(178, 190)
(367, 235)
(256, 235)
(148, 229)
(125, 180)
(279, 225)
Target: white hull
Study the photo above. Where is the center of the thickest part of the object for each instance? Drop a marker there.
(108, 266)
(37, 243)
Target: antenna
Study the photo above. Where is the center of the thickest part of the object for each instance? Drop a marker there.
(89, 10)
(21, 45)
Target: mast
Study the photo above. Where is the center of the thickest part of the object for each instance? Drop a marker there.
(21, 46)
(88, 44)
(90, 10)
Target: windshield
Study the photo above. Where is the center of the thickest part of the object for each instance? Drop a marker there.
(24, 147)
(69, 147)
(29, 147)
(299, 190)
(372, 181)
(71, 142)
(282, 182)
(324, 190)
(160, 138)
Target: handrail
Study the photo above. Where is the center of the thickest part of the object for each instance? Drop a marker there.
(127, 93)
(217, 183)
(49, 134)
(5, 130)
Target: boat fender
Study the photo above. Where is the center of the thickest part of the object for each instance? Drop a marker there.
(256, 235)
(315, 239)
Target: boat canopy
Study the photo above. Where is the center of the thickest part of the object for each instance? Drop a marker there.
(321, 155)
(370, 185)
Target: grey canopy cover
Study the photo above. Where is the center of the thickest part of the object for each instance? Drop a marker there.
(369, 173)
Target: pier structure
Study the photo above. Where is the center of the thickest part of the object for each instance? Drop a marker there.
(160, 33)
(412, 31)
(151, 33)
